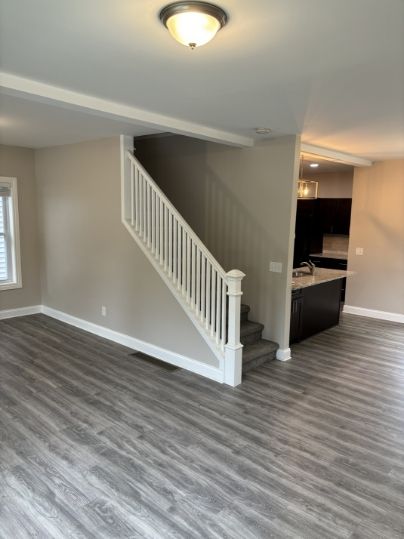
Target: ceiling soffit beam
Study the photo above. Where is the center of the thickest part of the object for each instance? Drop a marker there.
(54, 95)
(333, 155)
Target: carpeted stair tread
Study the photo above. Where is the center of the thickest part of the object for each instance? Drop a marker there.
(258, 353)
(248, 327)
(250, 332)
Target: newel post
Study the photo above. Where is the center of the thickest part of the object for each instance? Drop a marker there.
(233, 349)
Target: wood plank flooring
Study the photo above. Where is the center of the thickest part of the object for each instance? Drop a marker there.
(98, 443)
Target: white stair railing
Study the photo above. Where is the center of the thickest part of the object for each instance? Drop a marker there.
(210, 296)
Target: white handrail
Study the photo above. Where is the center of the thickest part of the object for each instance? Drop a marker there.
(209, 295)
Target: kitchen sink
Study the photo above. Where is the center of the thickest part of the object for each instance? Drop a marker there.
(300, 273)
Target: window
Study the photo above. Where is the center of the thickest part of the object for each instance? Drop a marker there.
(10, 267)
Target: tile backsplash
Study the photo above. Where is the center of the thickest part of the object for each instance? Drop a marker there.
(335, 242)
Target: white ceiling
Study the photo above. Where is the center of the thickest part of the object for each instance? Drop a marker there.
(332, 70)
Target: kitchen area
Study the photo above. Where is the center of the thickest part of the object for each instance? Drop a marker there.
(321, 245)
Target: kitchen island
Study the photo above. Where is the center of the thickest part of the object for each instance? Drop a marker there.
(316, 301)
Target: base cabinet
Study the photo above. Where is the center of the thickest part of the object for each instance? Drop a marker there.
(314, 309)
(296, 316)
(332, 263)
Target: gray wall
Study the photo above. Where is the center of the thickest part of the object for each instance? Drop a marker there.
(19, 163)
(334, 184)
(90, 260)
(242, 203)
(377, 225)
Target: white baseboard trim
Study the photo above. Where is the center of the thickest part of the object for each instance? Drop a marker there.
(21, 311)
(283, 354)
(373, 313)
(213, 373)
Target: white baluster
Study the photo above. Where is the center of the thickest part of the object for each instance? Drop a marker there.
(179, 250)
(218, 302)
(203, 288)
(137, 195)
(224, 314)
(165, 237)
(193, 276)
(184, 260)
(153, 221)
(141, 208)
(175, 252)
(207, 308)
(157, 227)
(213, 303)
(188, 283)
(144, 189)
(170, 245)
(198, 280)
(161, 231)
(132, 195)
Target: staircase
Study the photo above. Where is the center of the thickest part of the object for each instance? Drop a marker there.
(256, 350)
(210, 297)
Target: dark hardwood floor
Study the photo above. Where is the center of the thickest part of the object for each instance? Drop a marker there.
(98, 443)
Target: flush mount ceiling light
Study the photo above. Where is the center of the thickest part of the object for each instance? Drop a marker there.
(314, 165)
(193, 23)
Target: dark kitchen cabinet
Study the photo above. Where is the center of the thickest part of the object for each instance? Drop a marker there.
(332, 263)
(335, 215)
(308, 231)
(296, 316)
(321, 307)
(314, 309)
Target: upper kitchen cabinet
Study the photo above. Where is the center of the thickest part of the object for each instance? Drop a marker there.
(308, 231)
(335, 215)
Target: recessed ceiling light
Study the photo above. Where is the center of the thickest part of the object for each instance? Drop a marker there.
(263, 130)
(193, 23)
(314, 165)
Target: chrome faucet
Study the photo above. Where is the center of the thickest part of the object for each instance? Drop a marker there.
(310, 265)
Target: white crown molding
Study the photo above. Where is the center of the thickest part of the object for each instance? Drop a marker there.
(333, 155)
(373, 313)
(46, 93)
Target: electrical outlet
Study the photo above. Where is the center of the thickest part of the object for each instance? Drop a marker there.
(275, 267)
(103, 310)
(359, 251)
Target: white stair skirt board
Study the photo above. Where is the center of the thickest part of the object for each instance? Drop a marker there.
(283, 354)
(213, 373)
(21, 311)
(373, 313)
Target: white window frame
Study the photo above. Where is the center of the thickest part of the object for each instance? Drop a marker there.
(14, 229)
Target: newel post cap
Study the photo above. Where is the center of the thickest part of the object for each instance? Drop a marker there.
(236, 275)
(234, 278)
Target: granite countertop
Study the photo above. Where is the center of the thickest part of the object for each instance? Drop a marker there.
(340, 255)
(321, 275)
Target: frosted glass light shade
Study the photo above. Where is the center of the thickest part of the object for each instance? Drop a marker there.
(193, 23)
(193, 29)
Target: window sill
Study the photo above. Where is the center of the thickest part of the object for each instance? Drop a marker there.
(10, 286)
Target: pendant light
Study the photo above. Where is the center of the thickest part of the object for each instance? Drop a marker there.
(193, 23)
(307, 189)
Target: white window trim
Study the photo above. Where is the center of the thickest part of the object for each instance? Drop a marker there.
(15, 230)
